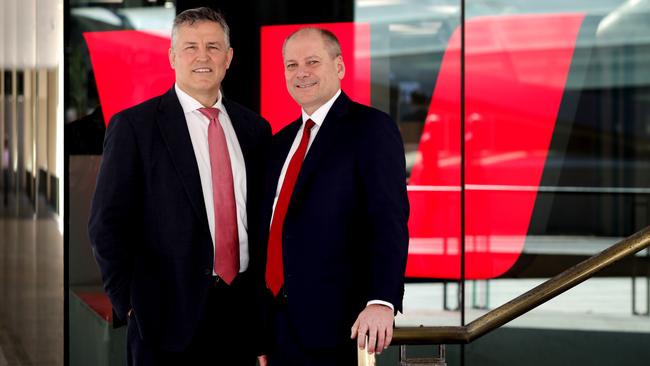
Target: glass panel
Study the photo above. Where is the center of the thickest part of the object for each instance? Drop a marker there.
(556, 137)
(556, 169)
(113, 47)
(415, 63)
(102, 64)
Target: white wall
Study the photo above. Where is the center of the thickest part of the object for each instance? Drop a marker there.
(10, 29)
(26, 34)
(31, 33)
(3, 11)
(49, 33)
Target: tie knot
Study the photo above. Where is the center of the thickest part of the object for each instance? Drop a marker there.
(211, 113)
(309, 124)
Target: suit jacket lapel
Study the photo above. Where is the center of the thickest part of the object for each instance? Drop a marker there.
(171, 121)
(323, 141)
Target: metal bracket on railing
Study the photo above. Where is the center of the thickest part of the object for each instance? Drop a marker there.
(434, 361)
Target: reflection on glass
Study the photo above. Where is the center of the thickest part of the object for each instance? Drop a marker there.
(108, 27)
(557, 141)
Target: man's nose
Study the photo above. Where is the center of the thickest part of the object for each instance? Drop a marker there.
(302, 72)
(202, 53)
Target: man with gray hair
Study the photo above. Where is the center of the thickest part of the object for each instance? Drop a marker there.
(176, 193)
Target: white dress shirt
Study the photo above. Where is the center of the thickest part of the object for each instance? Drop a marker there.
(318, 117)
(197, 124)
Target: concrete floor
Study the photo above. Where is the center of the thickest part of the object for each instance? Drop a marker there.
(31, 286)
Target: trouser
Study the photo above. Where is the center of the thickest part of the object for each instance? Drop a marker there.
(223, 338)
(287, 349)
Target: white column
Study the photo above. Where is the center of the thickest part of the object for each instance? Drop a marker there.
(26, 33)
(10, 28)
(11, 24)
(3, 51)
(3, 32)
(26, 61)
(49, 32)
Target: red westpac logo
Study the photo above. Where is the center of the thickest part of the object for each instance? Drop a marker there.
(515, 73)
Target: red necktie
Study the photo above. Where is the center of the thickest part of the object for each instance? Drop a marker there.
(274, 267)
(226, 238)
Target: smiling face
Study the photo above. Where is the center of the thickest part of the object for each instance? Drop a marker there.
(200, 57)
(313, 74)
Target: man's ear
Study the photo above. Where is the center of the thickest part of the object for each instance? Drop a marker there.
(172, 57)
(229, 57)
(340, 67)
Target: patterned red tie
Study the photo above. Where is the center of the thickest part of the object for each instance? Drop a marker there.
(226, 238)
(274, 266)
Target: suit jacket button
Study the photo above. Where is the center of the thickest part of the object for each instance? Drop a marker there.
(207, 272)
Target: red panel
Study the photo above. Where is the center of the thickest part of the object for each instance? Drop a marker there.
(516, 70)
(277, 106)
(130, 67)
(98, 302)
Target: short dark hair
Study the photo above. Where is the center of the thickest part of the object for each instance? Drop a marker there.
(331, 41)
(202, 14)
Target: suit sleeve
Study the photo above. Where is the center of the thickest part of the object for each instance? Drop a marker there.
(383, 172)
(115, 217)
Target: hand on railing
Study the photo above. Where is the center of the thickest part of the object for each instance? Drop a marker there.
(375, 321)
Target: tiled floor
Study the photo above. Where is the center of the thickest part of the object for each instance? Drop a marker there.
(31, 287)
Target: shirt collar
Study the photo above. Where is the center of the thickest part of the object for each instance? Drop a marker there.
(190, 104)
(319, 115)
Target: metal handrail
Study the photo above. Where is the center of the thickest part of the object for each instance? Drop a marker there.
(526, 302)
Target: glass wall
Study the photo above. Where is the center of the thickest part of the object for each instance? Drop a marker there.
(116, 53)
(555, 136)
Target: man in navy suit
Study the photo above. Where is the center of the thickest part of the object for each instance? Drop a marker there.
(337, 210)
(177, 190)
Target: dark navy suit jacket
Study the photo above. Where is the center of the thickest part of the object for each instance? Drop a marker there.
(345, 235)
(148, 224)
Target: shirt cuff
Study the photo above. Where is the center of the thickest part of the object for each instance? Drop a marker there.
(380, 302)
